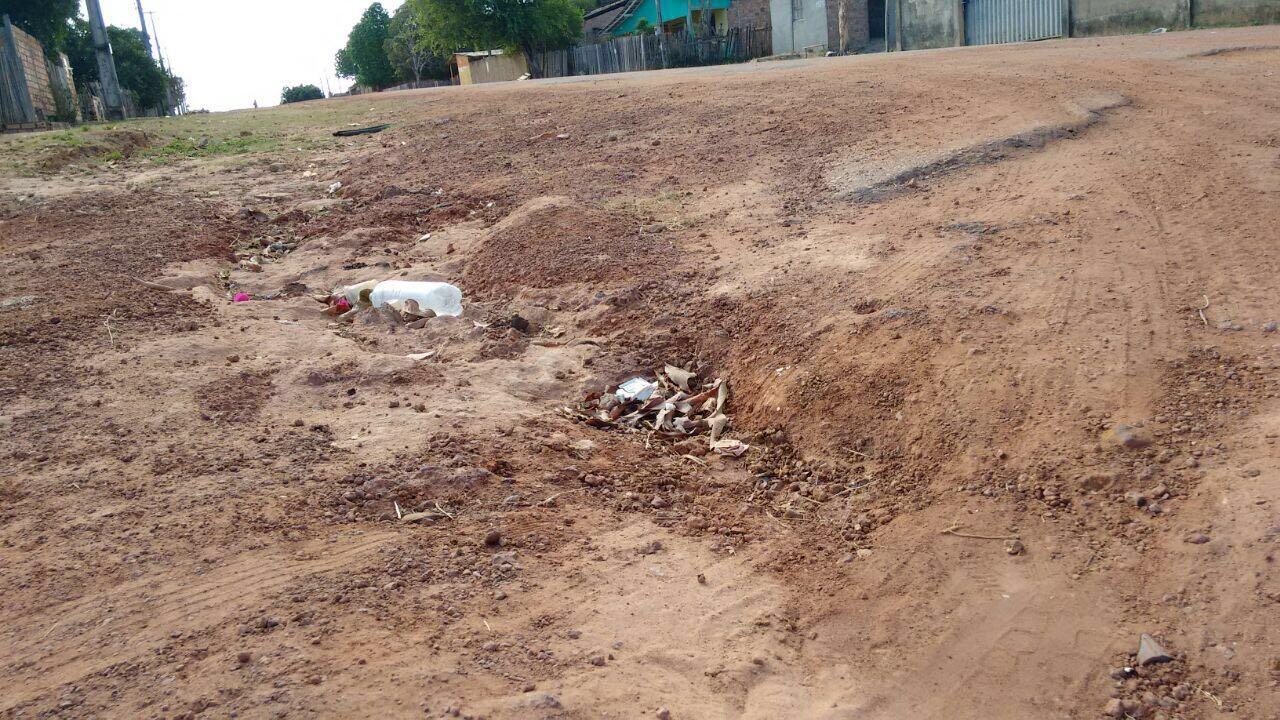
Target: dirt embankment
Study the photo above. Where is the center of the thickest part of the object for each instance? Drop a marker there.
(1007, 408)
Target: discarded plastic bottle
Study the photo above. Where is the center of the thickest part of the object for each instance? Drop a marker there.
(352, 292)
(443, 298)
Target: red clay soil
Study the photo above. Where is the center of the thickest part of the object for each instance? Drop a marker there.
(999, 325)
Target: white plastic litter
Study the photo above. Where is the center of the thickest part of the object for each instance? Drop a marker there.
(636, 389)
(352, 292)
(443, 298)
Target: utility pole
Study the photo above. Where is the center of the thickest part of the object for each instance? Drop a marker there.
(146, 38)
(111, 95)
(168, 94)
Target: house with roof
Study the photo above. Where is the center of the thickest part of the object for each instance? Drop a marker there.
(625, 17)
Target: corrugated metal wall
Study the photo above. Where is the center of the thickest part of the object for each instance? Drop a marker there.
(1001, 21)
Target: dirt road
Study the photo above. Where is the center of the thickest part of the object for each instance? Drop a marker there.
(999, 325)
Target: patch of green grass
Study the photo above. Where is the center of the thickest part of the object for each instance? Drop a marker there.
(68, 138)
(238, 133)
(188, 147)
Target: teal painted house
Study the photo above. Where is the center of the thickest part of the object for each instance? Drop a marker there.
(627, 16)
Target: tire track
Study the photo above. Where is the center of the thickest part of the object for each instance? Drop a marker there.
(44, 664)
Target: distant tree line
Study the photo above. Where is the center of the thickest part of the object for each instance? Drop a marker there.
(60, 29)
(299, 93)
(417, 42)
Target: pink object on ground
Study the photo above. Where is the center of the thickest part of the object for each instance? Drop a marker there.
(242, 297)
(343, 304)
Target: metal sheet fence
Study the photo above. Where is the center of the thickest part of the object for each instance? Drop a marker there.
(987, 22)
(655, 52)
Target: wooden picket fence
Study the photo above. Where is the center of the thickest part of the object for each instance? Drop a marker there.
(655, 52)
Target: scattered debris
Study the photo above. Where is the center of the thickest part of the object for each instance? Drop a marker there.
(362, 131)
(400, 302)
(637, 389)
(673, 406)
(418, 297)
(335, 187)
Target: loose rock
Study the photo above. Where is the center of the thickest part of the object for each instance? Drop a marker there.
(1129, 437)
(545, 701)
(1150, 652)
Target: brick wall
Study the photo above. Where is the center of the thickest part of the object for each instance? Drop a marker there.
(749, 13)
(31, 53)
(856, 31)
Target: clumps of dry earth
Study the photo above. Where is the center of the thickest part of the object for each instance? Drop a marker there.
(981, 430)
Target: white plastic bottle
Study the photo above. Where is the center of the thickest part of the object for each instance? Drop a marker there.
(443, 298)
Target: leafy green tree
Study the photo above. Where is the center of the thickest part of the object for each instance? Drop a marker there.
(299, 93)
(136, 69)
(49, 21)
(365, 55)
(411, 59)
(345, 64)
(530, 26)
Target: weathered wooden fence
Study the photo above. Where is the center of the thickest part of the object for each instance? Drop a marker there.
(417, 85)
(655, 52)
(62, 85)
(15, 97)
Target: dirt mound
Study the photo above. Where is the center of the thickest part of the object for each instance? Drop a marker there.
(114, 143)
(553, 242)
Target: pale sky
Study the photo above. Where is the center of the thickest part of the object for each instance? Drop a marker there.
(232, 52)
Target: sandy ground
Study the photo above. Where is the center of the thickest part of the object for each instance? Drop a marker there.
(936, 282)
